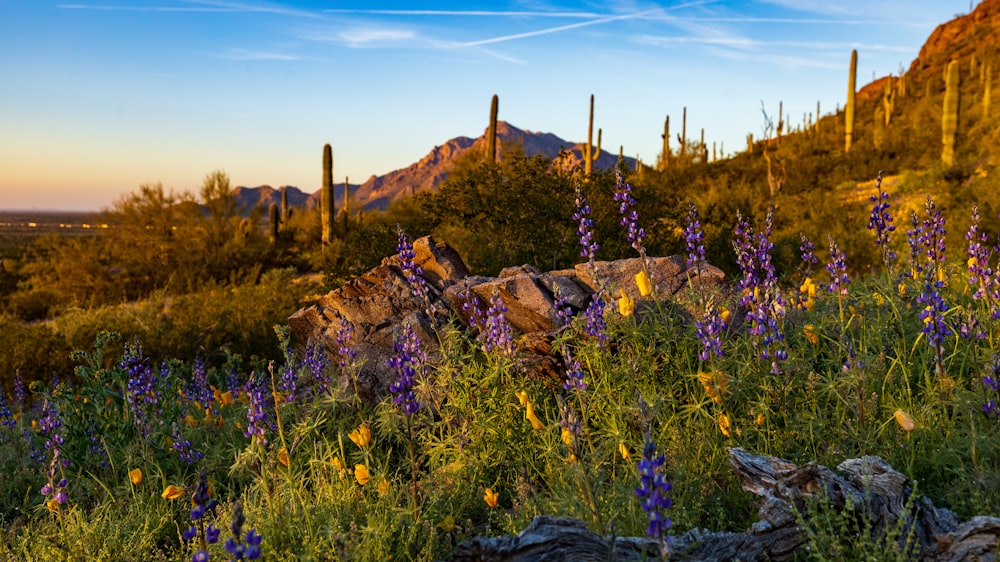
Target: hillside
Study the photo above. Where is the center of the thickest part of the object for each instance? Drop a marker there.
(426, 174)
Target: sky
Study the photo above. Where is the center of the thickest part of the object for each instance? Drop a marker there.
(99, 97)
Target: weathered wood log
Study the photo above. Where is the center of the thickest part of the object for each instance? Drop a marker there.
(869, 485)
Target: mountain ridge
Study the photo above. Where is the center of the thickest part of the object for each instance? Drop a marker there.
(427, 173)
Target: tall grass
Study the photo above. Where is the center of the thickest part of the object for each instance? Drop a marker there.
(322, 476)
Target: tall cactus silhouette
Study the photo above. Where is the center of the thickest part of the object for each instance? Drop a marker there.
(781, 119)
(589, 154)
(665, 151)
(326, 196)
(987, 91)
(491, 135)
(284, 205)
(684, 132)
(849, 108)
(949, 115)
(273, 221)
(345, 209)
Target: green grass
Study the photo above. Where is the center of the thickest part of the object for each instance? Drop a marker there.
(471, 434)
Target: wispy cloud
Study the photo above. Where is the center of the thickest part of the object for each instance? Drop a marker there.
(198, 6)
(465, 13)
(108, 7)
(374, 36)
(550, 30)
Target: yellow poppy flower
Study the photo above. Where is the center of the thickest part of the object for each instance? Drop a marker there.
(809, 331)
(226, 398)
(725, 426)
(623, 451)
(643, 283)
(52, 505)
(283, 456)
(724, 314)
(715, 385)
(361, 474)
(447, 524)
(491, 497)
(626, 306)
(362, 436)
(383, 487)
(530, 415)
(759, 420)
(901, 289)
(190, 421)
(522, 397)
(339, 465)
(172, 492)
(971, 262)
(135, 475)
(904, 420)
(567, 436)
(878, 298)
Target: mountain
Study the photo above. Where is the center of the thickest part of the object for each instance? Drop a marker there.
(264, 195)
(426, 174)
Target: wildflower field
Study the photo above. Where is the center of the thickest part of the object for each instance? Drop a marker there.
(279, 460)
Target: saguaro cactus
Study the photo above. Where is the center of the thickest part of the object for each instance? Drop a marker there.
(987, 91)
(665, 152)
(849, 109)
(345, 209)
(949, 115)
(284, 205)
(684, 133)
(589, 155)
(272, 212)
(326, 196)
(491, 136)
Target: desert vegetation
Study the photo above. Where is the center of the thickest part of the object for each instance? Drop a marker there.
(154, 406)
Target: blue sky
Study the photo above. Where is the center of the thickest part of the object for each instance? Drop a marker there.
(101, 96)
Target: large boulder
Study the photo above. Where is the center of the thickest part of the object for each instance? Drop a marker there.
(380, 302)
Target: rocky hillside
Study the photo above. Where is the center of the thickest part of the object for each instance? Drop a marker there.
(427, 173)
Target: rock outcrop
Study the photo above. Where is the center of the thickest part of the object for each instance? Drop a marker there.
(378, 303)
(874, 491)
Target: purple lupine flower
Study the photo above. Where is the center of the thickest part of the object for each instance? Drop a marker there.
(913, 240)
(199, 391)
(202, 504)
(142, 392)
(233, 384)
(932, 238)
(970, 328)
(6, 416)
(19, 392)
(49, 426)
(345, 343)
(494, 332)
(760, 294)
(414, 273)
(630, 217)
(238, 547)
(806, 254)
(880, 221)
(499, 334)
(183, 446)
(585, 230)
(596, 326)
(288, 382)
(574, 372)
(653, 491)
(981, 275)
(408, 360)
(837, 269)
(694, 237)
(258, 419)
(564, 314)
(315, 361)
(709, 331)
